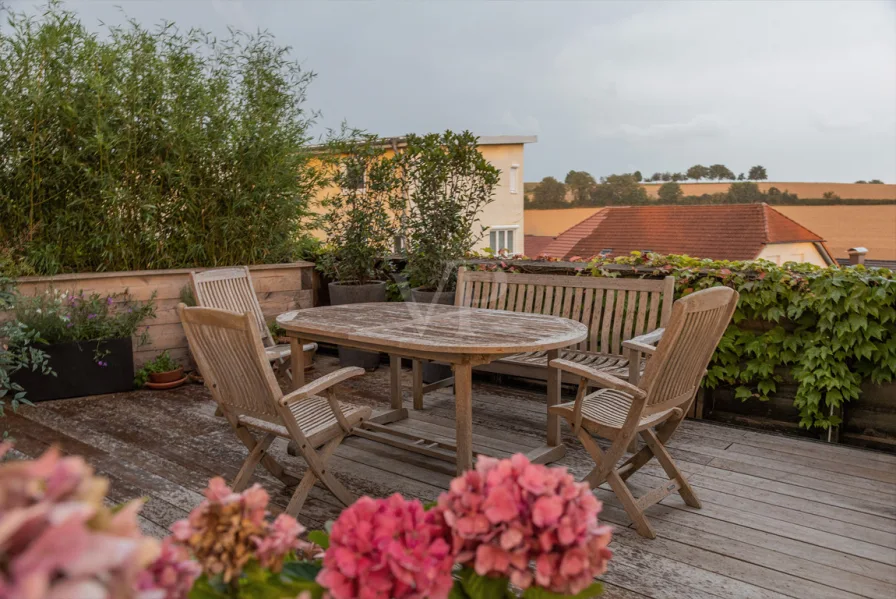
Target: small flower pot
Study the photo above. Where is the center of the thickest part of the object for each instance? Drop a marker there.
(166, 377)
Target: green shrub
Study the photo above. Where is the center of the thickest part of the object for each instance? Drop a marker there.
(358, 223)
(60, 316)
(148, 148)
(446, 184)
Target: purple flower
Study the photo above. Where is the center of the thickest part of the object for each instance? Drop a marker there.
(101, 363)
(109, 301)
(69, 325)
(91, 316)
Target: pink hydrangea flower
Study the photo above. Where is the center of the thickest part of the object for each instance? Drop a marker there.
(388, 549)
(282, 537)
(506, 515)
(170, 576)
(57, 537)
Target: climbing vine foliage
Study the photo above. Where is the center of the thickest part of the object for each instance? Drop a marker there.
(832, 328)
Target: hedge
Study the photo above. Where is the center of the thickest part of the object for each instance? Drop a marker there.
(139, 149)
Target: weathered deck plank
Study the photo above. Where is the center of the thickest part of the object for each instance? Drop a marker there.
(781, 517)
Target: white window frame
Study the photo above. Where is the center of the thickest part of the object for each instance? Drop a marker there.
(514, 178)
(501, 232)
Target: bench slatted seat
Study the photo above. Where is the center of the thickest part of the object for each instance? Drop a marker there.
(615, 310)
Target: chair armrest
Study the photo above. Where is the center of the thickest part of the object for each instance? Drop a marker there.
(322, 384)
(602, 379)
(646, 343)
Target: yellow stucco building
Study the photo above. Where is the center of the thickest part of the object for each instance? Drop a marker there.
(504, 217)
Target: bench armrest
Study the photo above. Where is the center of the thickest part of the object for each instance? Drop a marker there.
(317, 386)
(646, 343)
(601, 379)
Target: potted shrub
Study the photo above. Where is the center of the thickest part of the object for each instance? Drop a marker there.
(446, 182)
(359, 227)
(162, 372)
(87, 341)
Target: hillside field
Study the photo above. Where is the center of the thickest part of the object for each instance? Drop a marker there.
(847, 191)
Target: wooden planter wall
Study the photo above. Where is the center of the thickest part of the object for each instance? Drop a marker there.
(280, 288)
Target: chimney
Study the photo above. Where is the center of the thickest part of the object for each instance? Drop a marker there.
(857, 255)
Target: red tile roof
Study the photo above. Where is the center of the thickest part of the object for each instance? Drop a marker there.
(535, 244)
(721, 232)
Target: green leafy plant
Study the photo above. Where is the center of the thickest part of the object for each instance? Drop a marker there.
(833, 328)
(17, 352)
(189, 150)
(358, 223)
(446, 182)
(60, 316)
(161, 363)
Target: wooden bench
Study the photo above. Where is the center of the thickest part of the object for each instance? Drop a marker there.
(613, 309)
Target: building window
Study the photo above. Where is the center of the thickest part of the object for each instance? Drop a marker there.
(501, 238)
(354, 176)
(514, 177)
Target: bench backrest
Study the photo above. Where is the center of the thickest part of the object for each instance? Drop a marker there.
(613, 309)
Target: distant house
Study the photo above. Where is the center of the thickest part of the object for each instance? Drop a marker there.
(719, 232)
(503, 218)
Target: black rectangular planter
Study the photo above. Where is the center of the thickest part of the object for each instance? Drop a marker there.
(77, 371)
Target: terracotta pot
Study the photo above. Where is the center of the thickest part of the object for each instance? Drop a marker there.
(166, 377)
(341, 294)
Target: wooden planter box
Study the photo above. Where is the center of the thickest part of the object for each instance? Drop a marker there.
(78, 372)
(280, 288)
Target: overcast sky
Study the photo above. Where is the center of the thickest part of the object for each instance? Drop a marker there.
(807, 89)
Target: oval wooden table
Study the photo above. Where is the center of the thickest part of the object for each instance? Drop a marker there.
(461, 337)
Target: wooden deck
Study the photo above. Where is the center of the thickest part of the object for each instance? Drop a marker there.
(781, 517)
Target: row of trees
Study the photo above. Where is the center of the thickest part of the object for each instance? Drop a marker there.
(874, 181)
(625, 190)
(716, 172)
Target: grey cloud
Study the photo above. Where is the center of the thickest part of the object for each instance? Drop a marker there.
(807, 89)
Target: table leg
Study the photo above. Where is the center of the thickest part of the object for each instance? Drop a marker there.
(395, 380)
(553, 449)
(297, 362)
(553, 399)
(417, 387)
(463, 400)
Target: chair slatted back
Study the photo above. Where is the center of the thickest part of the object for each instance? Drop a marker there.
(698, 322)
(231, 289)
(613, 309)
(231, 358)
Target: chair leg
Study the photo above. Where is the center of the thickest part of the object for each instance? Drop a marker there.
(662, 455)
(663, 433)
(417, 387)
(605, 471)
(269, 463)
(329, 481)
(256, 453)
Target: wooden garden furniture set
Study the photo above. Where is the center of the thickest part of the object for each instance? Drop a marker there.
(613, 309)
(644, 382)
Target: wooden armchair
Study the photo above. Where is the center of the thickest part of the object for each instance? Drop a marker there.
(621, 409)
(237, 372)
(231, 289)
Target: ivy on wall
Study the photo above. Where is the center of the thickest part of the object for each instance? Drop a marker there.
(833, 328)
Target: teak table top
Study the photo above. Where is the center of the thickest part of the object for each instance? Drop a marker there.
(435, 328)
